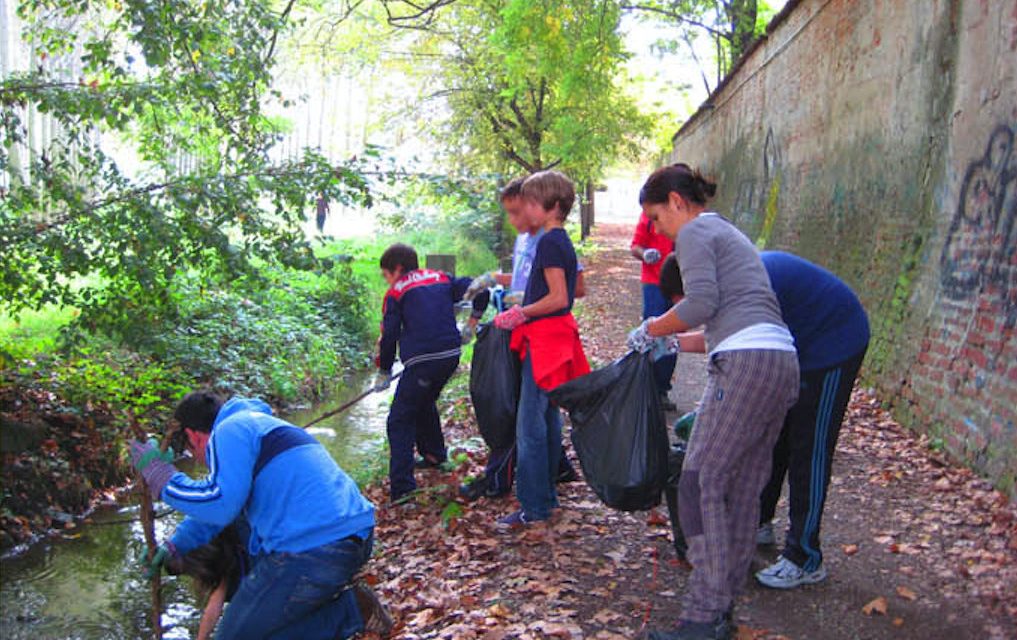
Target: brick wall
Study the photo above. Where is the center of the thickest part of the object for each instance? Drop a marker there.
(879, 139)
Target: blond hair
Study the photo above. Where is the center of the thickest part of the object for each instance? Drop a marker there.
(550, 188)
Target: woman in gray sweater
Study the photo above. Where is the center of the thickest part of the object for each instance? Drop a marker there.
(752, 382)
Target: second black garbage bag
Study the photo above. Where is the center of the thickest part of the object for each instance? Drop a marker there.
(619, 431)
(494, 386)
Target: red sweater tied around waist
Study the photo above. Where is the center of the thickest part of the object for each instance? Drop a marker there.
(555, 351)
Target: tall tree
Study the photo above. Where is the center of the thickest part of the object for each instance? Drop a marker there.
(159, 162)
(530, 85)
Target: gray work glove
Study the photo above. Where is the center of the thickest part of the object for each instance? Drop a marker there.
(153, 464)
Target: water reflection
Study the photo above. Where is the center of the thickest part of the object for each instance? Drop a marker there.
(87, 585)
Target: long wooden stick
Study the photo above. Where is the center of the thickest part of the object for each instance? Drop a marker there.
(348, 404)
(148, 526)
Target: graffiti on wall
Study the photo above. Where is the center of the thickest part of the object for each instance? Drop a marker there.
(980, 254)
(758, 196)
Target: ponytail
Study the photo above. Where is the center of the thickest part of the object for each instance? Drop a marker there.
(680, 178)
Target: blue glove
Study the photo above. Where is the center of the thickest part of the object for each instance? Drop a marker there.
(382, 381)
(640, 339)
(153, 464)
(651, 256)
(480, 283)
(153, 565)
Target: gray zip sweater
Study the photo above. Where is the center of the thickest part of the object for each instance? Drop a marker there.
(726, 286)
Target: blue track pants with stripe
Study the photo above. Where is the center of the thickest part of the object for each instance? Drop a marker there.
(804, 452)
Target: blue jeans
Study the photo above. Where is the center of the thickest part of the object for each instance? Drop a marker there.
(413, 421)
(654, 304)
(538, 440)
(299, 595)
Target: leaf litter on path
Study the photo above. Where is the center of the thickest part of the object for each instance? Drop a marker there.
(899, 516)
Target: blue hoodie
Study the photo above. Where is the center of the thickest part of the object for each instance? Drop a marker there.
(289, 488)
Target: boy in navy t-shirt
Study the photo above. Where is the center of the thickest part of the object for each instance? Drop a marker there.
(546, 337)
(419, 318)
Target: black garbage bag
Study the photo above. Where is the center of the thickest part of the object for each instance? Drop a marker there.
(675, 458)
(619, 432)
(494, 386)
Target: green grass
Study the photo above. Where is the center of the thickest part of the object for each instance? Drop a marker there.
(33, 332)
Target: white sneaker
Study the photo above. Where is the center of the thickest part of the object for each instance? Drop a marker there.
(785, 574)
(764, 535)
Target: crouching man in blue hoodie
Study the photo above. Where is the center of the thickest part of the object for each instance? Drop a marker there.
(311, 529)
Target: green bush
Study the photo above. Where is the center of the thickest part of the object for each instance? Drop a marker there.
(288, 335)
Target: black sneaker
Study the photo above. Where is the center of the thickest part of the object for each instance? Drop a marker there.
(376, 617)
(720, 628)
(427, 462)
(474, 489)
(567, 474)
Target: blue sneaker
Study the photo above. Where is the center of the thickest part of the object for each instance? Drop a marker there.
(513, 520)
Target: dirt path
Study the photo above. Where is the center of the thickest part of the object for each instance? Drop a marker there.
(938, 545)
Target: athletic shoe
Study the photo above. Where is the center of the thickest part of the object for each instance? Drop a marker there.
(376, 617)
(785, 574)
(513, 520)
(427, 462)
(765, 536)
(474, 489)
(720, 628)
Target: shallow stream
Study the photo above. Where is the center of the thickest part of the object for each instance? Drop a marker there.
(86, 584)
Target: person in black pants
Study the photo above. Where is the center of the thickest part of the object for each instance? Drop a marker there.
(831, 332)
(419, 318)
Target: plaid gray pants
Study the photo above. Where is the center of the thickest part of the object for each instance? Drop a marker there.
(747, 394)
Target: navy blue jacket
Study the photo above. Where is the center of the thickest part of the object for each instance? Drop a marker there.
(825, 317)
(419, 316)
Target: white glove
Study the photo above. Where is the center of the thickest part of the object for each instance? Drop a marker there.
(485, 281)
(651, 256)
(665, 346)
(382, 380)
(640, 339)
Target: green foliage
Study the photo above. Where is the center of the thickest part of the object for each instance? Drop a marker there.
(290, 339)
(466, 209)
(158, 165)
(729, 25)
(532, 85)
(99, 373)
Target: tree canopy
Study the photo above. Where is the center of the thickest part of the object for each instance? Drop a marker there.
(730, 25)
(530, 85)
(155, 156)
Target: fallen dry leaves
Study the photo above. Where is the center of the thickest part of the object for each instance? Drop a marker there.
(597, 573)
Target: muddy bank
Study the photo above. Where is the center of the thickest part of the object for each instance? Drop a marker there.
(58, 462)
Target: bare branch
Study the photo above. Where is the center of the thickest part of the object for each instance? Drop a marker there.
(678, 17)
(699, 65)
(275, 34)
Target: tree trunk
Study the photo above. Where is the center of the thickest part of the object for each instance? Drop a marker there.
(586, 211)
